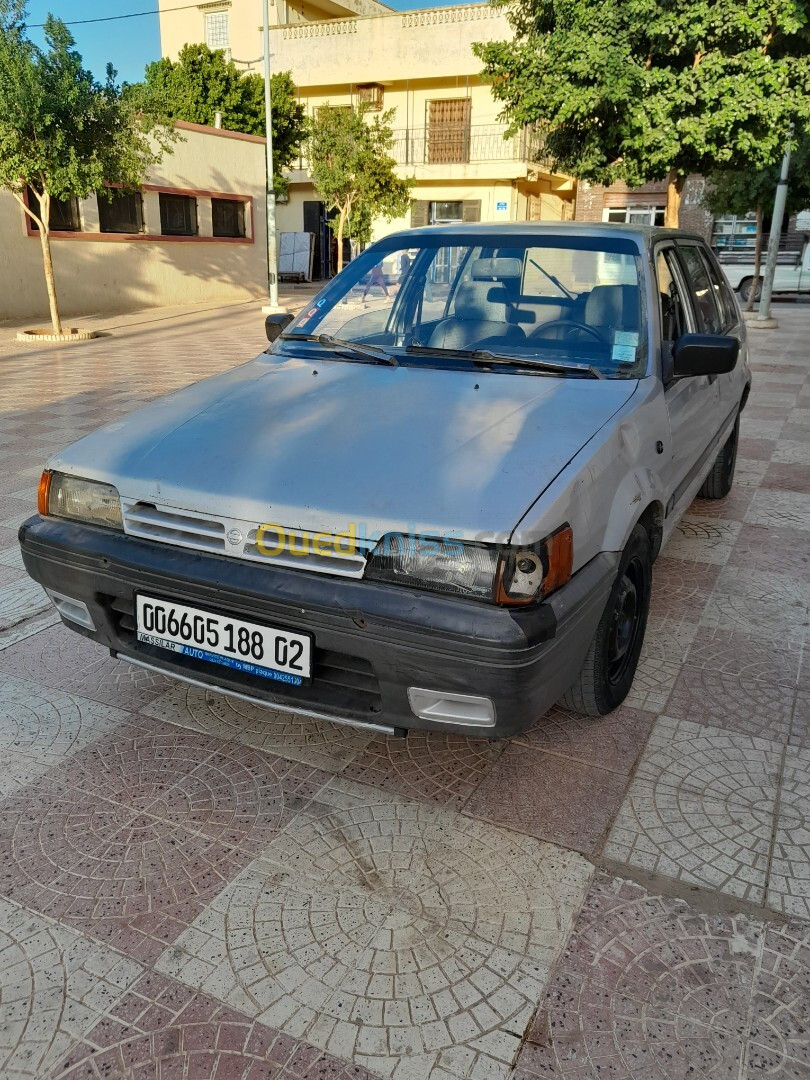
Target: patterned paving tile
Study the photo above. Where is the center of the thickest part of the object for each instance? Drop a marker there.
(40, 728)
(779, 1043)
(62, 658)
(763, 657)
(780, 509)
(163, 1030)
(54, 987)
(701, 808)
(648, 989)
(426, 765)
(761, 548)
(552, 797)
(610, 742)
(680, 590)
(752, 603)
(788, 478)
(401, 934)
(733, 702)
(20, 601)
(789, 881)
(695, 540)
(329, 746)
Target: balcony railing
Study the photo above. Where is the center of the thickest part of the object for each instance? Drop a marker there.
(450, 144)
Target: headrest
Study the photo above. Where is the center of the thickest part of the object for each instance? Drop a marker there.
(496, 269)
(481, 301)
(613, 305)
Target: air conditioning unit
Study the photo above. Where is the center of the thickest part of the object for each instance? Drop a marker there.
(370, 95)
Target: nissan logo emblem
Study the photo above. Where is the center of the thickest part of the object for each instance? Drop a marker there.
(234, 536)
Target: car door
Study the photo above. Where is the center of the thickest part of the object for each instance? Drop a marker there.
(693, 403)
(731, 384)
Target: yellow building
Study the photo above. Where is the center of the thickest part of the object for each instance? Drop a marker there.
(421, 64)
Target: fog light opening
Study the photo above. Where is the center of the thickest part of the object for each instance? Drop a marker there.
(444, 707)
(72, 610)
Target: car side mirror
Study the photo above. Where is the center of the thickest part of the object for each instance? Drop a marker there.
(704, 354)
(275, 324)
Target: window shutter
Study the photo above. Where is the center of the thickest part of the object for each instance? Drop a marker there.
(420, 213)
(471, 210)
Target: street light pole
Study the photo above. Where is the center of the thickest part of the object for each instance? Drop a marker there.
(272, 244)
(764, 320)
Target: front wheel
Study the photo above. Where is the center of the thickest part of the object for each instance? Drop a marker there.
(607, 674)
(748, 285)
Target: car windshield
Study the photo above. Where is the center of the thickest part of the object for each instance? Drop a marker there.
(563, 305)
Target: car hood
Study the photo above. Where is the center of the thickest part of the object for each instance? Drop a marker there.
(329, 444)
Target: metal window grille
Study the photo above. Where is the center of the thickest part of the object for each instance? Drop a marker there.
(121, 214)
(228, 217)
(216, 30)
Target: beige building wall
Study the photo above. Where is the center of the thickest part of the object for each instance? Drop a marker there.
(98, 272)
(240, 21)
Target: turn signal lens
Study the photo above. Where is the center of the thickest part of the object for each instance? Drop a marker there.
(526, 574)
(560, 552)
(44, 492)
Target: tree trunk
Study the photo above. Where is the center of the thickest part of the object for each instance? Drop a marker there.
(341, 225)
(675, 183)
(749, 304)
(47, 261)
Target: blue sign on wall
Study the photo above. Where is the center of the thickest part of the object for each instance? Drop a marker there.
(501, 206)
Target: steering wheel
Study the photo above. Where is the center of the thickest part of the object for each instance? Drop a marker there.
(570, 325)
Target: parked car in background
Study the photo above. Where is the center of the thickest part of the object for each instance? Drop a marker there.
(434, 507)
(792, 272)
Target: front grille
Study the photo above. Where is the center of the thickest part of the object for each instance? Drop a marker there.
(302, 554)
(340, 682)
(173, 526)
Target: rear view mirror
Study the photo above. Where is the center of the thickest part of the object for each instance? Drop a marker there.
(704, 354)
(274, 325)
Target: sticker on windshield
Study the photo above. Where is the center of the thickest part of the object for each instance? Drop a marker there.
(625, 354)
(625, 337)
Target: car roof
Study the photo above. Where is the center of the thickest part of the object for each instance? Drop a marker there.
(495, 230)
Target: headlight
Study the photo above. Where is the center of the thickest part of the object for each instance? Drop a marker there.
(66, 496)
(477, 571)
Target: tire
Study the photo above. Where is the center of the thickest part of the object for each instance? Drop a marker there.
(746, 286)
(718, 483)
(610, 665)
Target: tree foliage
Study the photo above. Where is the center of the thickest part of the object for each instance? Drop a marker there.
(201, 82)
(642, 90)
(740, 191)
(62, 133)
(352, 168)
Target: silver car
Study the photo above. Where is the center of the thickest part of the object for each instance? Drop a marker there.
(435, 501)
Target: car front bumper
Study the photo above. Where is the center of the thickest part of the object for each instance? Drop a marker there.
(372, 641)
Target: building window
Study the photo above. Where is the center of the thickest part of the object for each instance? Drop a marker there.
(178, 215)
(635, 215)
(370, 95)
(121, 214)
(228, 216)
(442, 213)
(216, 30)
(448, 131)
(64, 213)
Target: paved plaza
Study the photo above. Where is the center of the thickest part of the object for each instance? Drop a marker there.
(195, 887)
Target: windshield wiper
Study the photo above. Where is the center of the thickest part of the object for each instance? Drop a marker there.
(338, 345)
(552, 279)
(484, 356)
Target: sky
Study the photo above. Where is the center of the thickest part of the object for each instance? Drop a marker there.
(130, 44)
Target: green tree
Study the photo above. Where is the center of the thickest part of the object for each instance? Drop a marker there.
(351, 166)
(642, 90)
(739, 191)
(62, 133)
(201, 82)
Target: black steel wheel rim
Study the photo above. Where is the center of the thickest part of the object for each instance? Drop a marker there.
(625, 623)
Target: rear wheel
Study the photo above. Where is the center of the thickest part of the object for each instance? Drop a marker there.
(612, 659)
(747, 285)
(718, 483)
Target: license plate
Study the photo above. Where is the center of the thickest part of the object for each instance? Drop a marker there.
(245, 646)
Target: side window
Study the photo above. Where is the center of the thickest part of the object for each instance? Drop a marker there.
(723, 297)
(710, 314)
(673, 306)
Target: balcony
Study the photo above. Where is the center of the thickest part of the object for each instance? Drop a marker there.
(463, 144)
